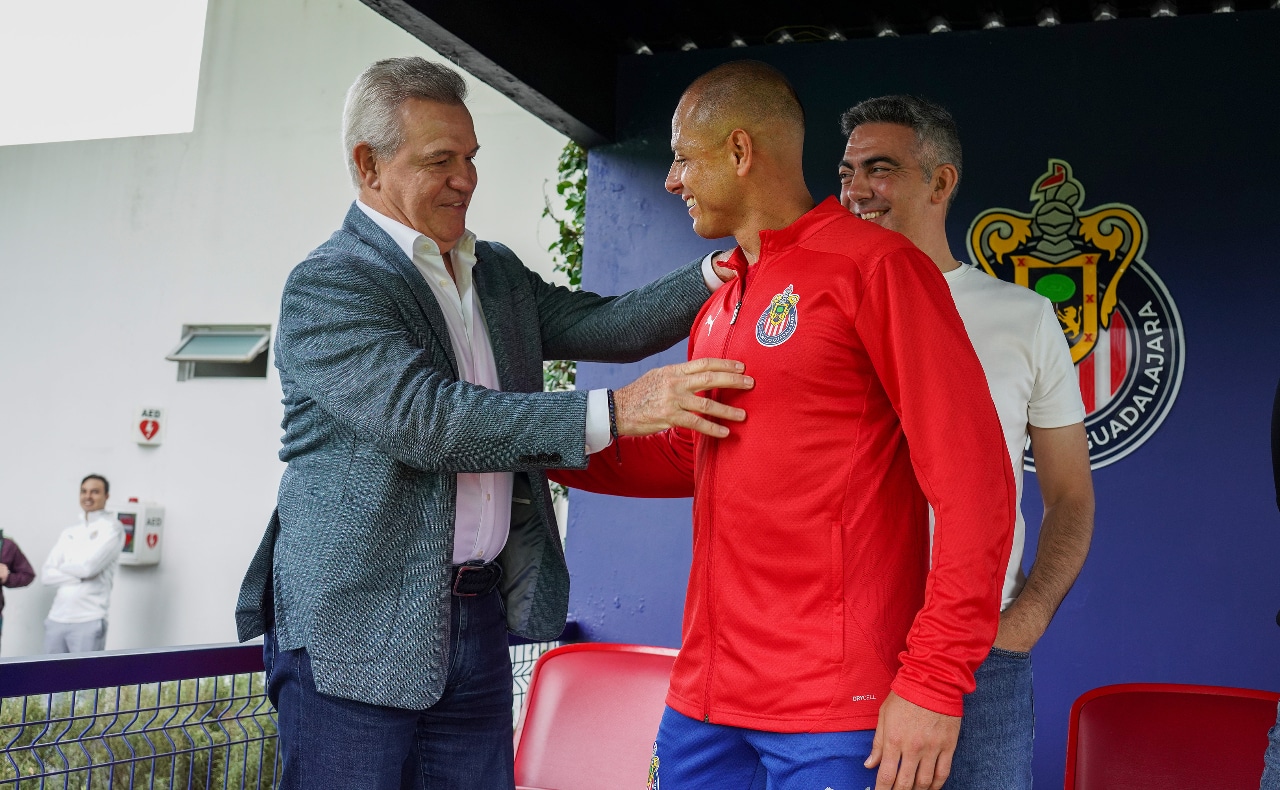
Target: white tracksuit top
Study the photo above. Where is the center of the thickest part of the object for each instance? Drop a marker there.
(82, 566)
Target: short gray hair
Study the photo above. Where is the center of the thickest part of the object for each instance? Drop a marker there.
(369, 114)
(937, 139)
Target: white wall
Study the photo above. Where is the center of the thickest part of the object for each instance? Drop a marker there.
(107, 247)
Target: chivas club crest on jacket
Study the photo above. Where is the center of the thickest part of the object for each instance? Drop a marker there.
(1122, 326)
(778, 322)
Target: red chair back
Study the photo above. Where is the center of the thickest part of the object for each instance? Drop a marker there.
(591, 715)
(1167, 736)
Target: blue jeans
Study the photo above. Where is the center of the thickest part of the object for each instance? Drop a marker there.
(1271, 773)
(998, 727)
(694, 755)
(463, 741)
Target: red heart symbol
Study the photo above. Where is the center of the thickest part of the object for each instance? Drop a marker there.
(152, 540)
(149, 428)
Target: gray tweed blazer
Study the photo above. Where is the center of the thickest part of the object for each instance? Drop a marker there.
(355, 563)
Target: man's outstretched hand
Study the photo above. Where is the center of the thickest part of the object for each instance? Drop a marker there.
(913, 746)
(667, 397)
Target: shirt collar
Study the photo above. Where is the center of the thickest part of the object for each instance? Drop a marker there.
(958, 272)
(411, 241)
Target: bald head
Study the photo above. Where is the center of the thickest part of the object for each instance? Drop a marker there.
(747, 95)
(738, 142)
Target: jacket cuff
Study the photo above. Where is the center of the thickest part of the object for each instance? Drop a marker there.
(928, 698)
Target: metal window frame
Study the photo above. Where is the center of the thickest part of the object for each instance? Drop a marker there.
(187, 362)
(190, 331)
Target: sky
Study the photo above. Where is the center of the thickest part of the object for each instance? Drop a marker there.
(88, 69)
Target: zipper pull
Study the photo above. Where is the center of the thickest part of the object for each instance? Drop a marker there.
(741, 293)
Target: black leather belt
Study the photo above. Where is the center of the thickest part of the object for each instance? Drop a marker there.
(475, 578)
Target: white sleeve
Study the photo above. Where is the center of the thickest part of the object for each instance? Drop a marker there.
(93, 556)
(51, 574)
(1055, 396)
(599, 435)
(709, 275)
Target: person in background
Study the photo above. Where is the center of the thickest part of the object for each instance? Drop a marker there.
(82, 565)
(900, 170)
(15, 571)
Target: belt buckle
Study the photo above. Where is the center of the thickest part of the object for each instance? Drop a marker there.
(466, 570)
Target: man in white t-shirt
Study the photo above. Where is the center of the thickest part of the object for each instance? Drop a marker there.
(82, 566)
(900, 170)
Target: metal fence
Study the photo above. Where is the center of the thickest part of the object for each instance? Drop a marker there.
(193, 717)
(179, 718)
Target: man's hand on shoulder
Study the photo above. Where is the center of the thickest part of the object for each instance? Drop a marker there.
(913, 746)
(668, 397)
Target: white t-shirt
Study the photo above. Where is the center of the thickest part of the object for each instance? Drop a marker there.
(1028, 364)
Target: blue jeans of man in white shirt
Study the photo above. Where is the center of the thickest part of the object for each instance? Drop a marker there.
(998, 728)
(1271, 773)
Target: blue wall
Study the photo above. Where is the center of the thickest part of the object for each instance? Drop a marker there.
(1175, 117)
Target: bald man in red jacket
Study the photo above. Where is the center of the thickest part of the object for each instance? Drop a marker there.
(818, 643)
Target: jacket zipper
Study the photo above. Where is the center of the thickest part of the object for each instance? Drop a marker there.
(715, 452)
(742, 292)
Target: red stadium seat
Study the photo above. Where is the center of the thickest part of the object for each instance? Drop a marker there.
(591, 716)
(1166, 736)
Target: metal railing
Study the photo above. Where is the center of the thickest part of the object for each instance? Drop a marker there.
(191, 717)
(175, 718)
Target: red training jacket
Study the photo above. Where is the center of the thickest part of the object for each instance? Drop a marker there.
(810, 594)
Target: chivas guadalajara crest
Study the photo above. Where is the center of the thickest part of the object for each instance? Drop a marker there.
(1121, 324)
(778, 322)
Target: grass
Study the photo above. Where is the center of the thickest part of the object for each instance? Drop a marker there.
(199, 733)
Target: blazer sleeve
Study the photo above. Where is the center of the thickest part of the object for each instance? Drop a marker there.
(585, 326)
(344, 342)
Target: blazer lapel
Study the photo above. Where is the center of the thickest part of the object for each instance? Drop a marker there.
(494, 302)
(375, 237)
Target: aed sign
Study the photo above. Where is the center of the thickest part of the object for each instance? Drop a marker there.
(148, 426)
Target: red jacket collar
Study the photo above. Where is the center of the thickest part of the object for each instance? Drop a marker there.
(774, 241)
(809, 223)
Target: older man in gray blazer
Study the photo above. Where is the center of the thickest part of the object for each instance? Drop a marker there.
(414, 525)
